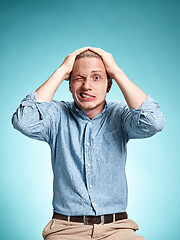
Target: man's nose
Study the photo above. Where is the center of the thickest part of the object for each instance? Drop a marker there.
(87, 84)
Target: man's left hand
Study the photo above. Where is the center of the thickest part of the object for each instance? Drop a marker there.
(108, 60)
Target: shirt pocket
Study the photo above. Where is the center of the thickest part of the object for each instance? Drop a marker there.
(110, 144)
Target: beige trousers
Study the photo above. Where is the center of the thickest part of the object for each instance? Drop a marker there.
(58, 229)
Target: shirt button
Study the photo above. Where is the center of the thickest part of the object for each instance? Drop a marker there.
(87, 144)
(90, 186)
(95, 205)
(89, 164)
(89, 123)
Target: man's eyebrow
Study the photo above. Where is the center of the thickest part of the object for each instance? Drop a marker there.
(97, 70)
(78, 74)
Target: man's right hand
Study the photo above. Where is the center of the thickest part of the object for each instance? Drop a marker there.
(68, 62)
(46, 91)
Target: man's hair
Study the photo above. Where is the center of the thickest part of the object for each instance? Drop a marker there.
(88, 54)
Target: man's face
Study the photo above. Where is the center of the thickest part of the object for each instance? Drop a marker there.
(89, 85)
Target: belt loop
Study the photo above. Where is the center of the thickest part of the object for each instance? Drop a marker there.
(102, 219)
(114, 217)
(85, 220)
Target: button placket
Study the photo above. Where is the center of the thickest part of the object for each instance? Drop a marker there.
(87, 158)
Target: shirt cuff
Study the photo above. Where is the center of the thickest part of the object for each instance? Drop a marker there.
(147, 107)
(31, 101)
(148, 104)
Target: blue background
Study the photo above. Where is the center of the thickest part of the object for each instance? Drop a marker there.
(143, 37)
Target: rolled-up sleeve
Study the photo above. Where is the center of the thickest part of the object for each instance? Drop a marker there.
(33, 118)
(142, 122)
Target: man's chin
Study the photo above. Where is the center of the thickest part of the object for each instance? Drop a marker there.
(85, 106)
(88, 106)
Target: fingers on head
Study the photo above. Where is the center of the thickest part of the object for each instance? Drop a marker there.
(93, 49)
(97, 49)
(81, 50)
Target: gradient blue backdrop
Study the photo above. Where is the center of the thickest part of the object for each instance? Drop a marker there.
(143, 37)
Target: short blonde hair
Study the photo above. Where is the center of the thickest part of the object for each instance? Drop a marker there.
(89, 54)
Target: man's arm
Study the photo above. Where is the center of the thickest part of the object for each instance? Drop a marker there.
(133, 95)
(45, 92)
(141, 117)
(37, 112)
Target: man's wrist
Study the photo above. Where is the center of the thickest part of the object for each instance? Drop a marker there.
(117, 73)
(62, 72)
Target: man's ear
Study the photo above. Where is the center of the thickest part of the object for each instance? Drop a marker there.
(70, 85)
(109, 85)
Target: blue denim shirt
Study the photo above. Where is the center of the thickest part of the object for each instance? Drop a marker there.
(88, 156)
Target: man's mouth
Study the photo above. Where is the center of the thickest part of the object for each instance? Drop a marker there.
(86, 96)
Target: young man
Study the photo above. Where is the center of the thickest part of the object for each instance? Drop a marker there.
(88, 140)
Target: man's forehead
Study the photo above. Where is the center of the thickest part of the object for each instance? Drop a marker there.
(86, 61)
(93, 71)
(88, 65)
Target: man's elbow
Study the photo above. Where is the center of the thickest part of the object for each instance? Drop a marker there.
(159, 124)
(17, 124)
(20, 125)
(14, 120)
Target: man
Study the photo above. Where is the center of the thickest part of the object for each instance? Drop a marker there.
(88, 140)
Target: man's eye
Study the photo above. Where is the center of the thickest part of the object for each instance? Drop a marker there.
(96, 77)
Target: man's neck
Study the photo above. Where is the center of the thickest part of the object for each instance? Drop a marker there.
(91, 113)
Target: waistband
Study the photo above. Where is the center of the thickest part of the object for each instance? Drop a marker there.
(90, 220)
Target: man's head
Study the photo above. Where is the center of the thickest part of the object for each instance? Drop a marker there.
(88, 54)
(89, 83)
